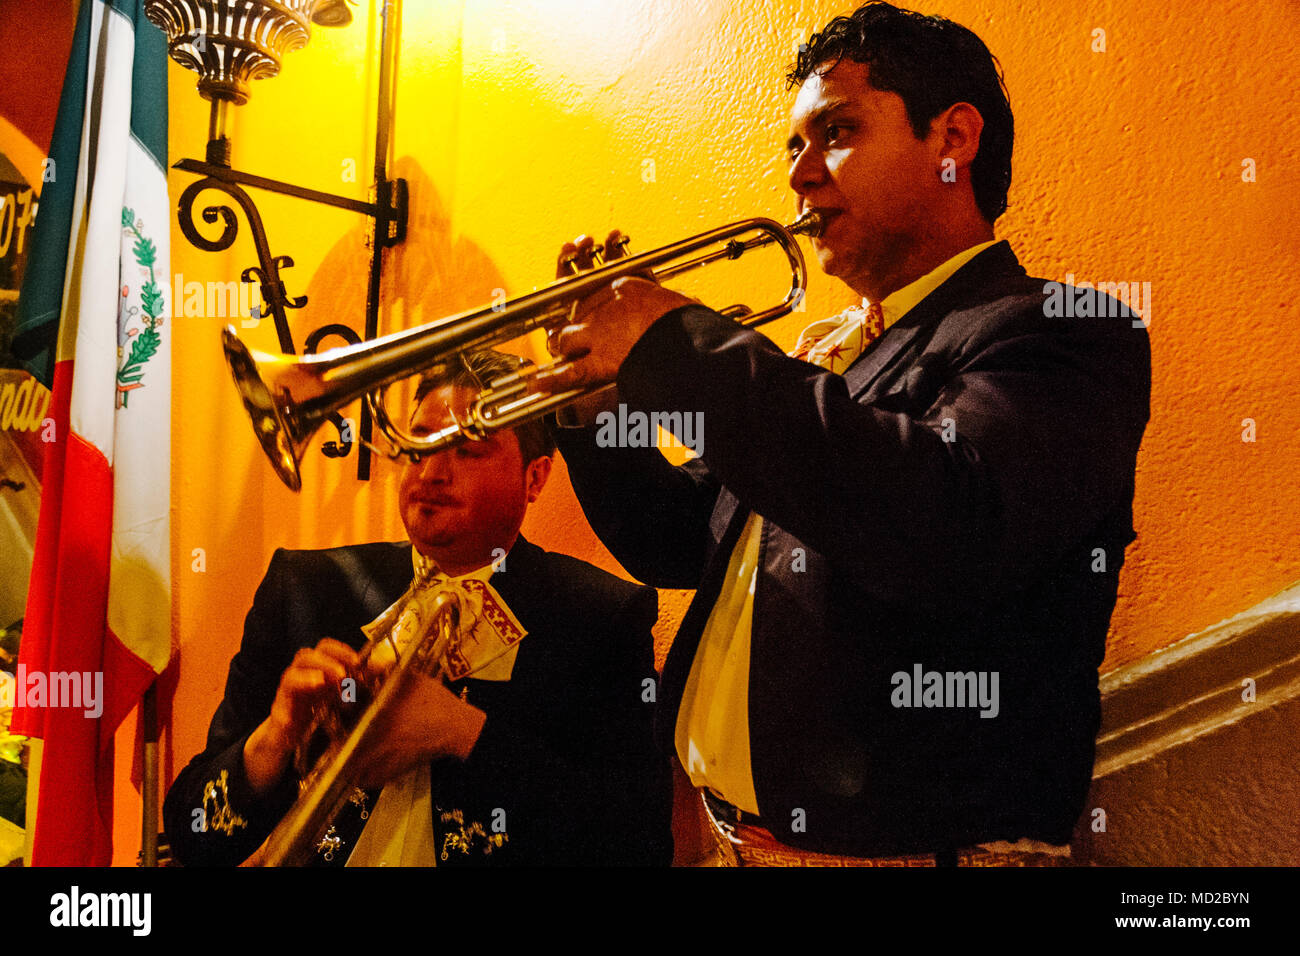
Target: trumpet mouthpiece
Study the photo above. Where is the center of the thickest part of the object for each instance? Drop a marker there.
(810, 224)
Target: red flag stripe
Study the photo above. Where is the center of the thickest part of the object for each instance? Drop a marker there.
(65, 629)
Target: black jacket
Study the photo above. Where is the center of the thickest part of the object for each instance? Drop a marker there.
(566, 751)
(960, 499)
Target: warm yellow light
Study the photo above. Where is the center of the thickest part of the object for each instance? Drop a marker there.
(589, 44)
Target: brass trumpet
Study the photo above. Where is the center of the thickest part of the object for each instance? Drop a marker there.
(332, 780)
(289, 398)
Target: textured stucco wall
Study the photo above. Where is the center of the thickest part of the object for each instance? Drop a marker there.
(1228, 798)
(523, 124)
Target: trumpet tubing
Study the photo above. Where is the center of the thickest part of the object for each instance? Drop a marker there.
(289, 398)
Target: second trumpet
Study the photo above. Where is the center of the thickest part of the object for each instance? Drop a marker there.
(289, 398)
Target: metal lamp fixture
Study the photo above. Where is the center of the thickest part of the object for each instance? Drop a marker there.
(230, 43)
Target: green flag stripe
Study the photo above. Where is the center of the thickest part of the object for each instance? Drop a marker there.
(40, 303)
(41, 300)
(148, 83)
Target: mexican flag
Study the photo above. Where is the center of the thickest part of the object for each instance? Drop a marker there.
(94, 326)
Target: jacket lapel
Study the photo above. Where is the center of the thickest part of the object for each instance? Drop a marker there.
(871, 363)
(383, 572)
(994, 262)
(518, 573)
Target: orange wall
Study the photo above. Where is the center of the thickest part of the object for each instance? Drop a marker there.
(523, 124)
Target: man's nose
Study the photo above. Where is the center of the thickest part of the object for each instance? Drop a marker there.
(436, 468)
(808, 171)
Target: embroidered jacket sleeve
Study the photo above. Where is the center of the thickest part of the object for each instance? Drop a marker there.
(211, 815)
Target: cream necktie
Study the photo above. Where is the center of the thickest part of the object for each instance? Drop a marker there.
(488, 629)
(836, 343)
(399, 831)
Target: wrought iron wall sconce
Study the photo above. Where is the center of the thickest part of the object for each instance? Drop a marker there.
(229, 43)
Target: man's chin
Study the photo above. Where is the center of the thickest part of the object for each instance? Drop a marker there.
(847, 265)
(830, 262)
(429, 541)
(427, 535)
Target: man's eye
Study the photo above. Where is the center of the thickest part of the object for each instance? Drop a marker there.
(833, 132)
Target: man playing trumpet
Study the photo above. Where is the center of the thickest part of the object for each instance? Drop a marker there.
(905, 537)
(534, 748)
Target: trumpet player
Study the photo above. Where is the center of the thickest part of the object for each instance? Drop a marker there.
(905, 536)
(536, 747)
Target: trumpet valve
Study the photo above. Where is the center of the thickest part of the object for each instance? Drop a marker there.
(615, 249)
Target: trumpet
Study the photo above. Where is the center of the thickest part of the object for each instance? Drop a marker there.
(331, 781)
(289, 398)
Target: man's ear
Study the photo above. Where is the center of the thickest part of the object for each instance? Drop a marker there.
(535, 475)
(957, 134)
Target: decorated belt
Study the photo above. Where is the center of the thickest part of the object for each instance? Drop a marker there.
(740, 841)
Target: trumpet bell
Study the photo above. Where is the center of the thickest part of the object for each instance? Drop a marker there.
(274, 422)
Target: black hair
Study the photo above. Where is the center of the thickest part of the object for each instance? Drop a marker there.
(931, 63)
(478, 368)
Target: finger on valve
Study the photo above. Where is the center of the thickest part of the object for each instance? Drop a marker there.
(615, 245)
(582, 256)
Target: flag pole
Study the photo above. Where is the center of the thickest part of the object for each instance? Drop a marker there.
(149, 768)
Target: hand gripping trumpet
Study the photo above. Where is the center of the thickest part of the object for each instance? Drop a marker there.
(289, 398)
(332, 780)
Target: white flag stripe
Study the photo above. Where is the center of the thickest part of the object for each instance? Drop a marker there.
(139, 594)
(92, 293)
